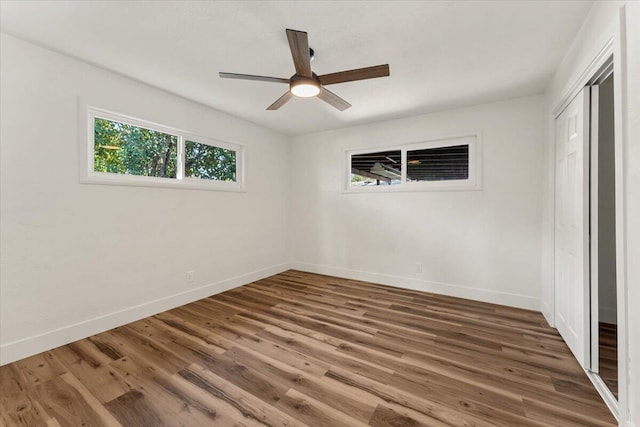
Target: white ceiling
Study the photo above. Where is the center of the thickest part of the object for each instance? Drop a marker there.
(442, 54)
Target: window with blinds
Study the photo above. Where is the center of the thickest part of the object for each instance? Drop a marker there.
(443, 164)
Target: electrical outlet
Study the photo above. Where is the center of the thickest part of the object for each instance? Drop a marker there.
(189, 276)
(418, 267)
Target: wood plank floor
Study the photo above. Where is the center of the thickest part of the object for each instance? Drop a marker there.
(305, 349)
(608, 363)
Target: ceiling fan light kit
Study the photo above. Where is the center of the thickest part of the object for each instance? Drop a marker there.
(305, 83)
(303, 87)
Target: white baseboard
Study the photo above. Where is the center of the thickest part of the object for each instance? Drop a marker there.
(26, 347)
(485, 295)
(608, 315)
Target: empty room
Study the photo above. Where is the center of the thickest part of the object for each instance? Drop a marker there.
(320, 213)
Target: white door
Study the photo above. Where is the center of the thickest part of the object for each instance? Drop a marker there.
(572, 227)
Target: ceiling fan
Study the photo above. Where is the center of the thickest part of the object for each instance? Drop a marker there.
(305, 83)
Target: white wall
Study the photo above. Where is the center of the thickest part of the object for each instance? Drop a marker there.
(477, 244)
(76, 258)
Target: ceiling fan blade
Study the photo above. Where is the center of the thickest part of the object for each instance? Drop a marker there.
(252, 77)
(353, 75)
(280, 101)
(333, 99)
(299, 45)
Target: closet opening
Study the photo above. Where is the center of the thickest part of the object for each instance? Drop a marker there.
(604, 313)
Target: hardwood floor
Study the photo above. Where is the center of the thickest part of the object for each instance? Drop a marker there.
(608, 357)
(300, 348)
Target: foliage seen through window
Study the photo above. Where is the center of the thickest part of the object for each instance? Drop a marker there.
(209, 162)
(126, 149)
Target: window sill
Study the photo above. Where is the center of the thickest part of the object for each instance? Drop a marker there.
(148, 181)
(414, 187)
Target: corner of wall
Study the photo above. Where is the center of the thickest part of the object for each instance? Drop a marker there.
(458, 291)
(289, 230)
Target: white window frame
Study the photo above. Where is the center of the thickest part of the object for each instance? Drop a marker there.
(474, 182)
(89, 176)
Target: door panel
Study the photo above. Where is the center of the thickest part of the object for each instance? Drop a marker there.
(572, 221)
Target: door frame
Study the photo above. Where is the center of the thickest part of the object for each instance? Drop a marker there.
(594, 171)
(614, 47)
(593, 372)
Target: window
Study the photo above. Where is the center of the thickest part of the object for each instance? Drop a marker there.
(209, 162)
(131, 150)
(446, 164)
(127, 151)
(438, 164)
(380, 168)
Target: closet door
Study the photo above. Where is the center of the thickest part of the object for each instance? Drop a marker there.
(572, 227)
